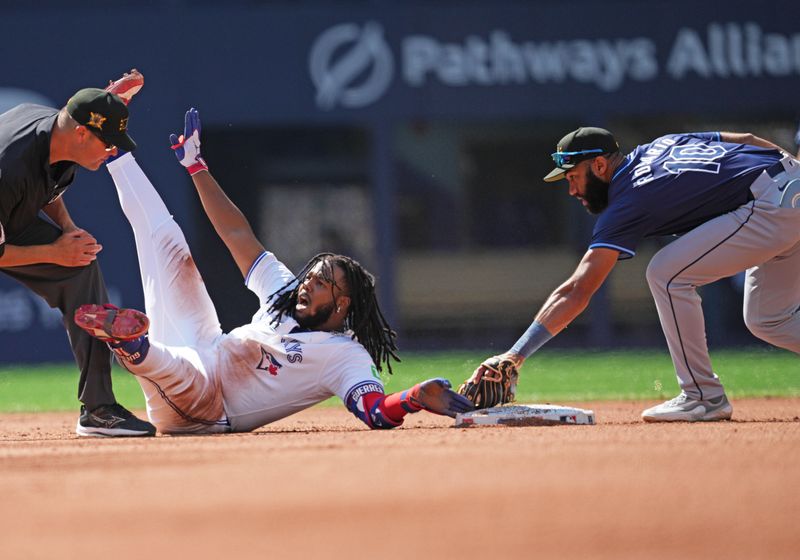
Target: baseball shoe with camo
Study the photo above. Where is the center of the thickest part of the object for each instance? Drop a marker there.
(112, 420)
(124, 330)
(684, 408)
(127, 86)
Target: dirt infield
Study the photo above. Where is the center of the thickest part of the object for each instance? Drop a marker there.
(317, 485)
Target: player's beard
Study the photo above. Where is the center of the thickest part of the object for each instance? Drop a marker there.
(314, 320)
(596, 196)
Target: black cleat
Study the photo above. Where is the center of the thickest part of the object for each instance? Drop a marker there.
(112, 420)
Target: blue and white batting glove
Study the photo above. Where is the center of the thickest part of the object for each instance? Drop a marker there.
(187, 146)
(434, 395)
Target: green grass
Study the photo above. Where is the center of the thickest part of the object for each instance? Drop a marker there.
(559, 375)
(51, 387)
(551, 376)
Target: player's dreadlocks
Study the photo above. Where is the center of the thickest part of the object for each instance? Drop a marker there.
(364, 317)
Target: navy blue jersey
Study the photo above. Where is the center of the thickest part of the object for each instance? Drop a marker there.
(674, 184)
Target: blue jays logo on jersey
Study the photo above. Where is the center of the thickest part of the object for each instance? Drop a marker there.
(269, 363)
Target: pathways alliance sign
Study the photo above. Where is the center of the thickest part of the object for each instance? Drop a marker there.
(352, 66)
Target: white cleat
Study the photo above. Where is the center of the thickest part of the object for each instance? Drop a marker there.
(684, 408)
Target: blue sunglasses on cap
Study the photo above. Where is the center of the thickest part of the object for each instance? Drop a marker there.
(565, 158)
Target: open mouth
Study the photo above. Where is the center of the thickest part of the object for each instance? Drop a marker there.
(303, 299)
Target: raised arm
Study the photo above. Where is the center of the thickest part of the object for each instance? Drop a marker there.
(228, 221)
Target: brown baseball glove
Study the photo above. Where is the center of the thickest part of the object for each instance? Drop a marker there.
(493, 383)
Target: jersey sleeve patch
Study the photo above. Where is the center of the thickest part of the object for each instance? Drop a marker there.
(365, 401)
(360, 389)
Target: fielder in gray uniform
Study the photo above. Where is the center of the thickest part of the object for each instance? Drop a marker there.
(733, 198)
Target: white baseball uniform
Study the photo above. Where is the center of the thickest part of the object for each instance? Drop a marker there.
(195, 377)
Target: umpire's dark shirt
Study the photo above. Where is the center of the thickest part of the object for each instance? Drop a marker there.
(27, 180)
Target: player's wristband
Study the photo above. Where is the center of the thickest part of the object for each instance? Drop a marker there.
(533, 339)
(200, 165)
(407, 402)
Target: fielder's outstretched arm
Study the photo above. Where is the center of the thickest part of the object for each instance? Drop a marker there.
(561, 308)
(573, 296)
(228, 221)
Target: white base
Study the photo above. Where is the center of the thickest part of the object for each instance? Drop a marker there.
(525, 415)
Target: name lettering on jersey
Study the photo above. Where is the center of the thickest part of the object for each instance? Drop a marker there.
(644, 170)
(700, 157)
(268, 363)
(294, 350)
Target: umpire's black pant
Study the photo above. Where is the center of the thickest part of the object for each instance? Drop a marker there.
(67, 288)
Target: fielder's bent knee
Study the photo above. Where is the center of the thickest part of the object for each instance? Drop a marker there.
(656, 274)
(760, 328)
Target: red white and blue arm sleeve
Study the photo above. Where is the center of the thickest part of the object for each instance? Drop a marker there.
(377, 410)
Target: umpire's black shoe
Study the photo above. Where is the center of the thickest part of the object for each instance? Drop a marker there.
(112, 420)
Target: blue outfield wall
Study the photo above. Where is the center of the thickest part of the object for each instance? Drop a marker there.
(371, 65)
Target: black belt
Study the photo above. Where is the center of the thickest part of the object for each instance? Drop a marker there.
(775, 169)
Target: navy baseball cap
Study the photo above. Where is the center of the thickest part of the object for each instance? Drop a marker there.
(104, 114)
(585, 143)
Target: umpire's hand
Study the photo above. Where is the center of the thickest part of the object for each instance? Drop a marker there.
(74, 248)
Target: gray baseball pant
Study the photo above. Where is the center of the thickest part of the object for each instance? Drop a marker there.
(760, 237)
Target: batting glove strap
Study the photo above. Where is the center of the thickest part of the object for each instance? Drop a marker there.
(199, 165)
(408, 401)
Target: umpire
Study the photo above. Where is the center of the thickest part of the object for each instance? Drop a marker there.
(40, 151)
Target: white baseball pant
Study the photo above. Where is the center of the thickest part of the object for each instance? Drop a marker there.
(178, 376)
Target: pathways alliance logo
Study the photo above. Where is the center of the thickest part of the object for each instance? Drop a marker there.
(351, 66)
